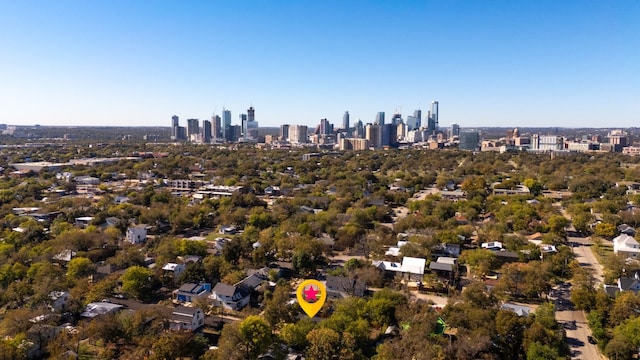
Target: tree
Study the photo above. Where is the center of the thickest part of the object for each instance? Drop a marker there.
(137, 281)
(538, 351)
(481, 261)
(557, 223)
(625, 306)
(256, 335)
(295, 335)
(605, 230)
(79, 266)
(327, 344)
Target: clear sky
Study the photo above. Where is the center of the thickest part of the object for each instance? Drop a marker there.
(489, 63)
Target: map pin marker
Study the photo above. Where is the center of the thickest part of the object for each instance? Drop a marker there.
(311, 296)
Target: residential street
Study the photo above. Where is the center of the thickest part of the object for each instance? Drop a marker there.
(578, 335)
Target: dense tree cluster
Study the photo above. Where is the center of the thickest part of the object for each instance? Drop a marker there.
(351, 197)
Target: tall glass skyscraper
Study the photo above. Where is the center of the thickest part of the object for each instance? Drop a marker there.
(226, 124)
(432, 124)
(379, 118)
(345, 121)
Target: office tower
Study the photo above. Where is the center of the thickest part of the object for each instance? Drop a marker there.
(432, 124)
(243, 124)
(206, 131)
(175, 123)
(389, 135)
(193, 127)
(284, 132)
(251, 114)
(401, 131)
(216, 128)
(252, 125)
(469, 140)
(412, 122)
(379, 118)
(454, 130)
(373, 133)
(358, 129)
(325, 127)
(418, 115)
(235, 133)
(226, 124)
(298, 134)
(345, 121)
(396, 119)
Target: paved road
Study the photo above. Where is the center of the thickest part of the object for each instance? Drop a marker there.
(578, 334)
(583, 250)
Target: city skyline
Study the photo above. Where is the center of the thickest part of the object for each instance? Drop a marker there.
(493, 64)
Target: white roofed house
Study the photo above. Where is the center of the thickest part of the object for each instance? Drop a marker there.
(136, 234)
(413, 267)
(626, 246)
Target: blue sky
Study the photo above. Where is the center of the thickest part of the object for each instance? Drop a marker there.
(488, 63)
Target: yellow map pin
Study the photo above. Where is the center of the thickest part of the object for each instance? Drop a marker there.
(311, 296)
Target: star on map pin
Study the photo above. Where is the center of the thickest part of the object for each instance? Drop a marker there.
(311, 296)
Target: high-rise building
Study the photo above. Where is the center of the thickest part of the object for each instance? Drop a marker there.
(298, 134)
(345, 121)
(193, 127)
(379, 118)
(216, 128)
(284, 132)
(432, 123)
(396, 119)
(226, 124)
(418, 115)
(358, 129)
(251, 114)
(251, 128)
(243, 124)
(455, 130)
(469, 140)
(206, 131)
(373, 133)
(326, 127)
(175, 123)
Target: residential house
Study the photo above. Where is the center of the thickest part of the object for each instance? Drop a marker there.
(100, 308)
(64, 256)
(626, 246)
(520, 310)
(413, 267)
(272, 191)
(228, 230)
(231, 297)
(445, 268)
(83, 221)
(186, 318)
(493, 245)
(58, 300)
(446, 249)
(626, 229)
(136, 234)
(624, 283)
(191, 291)
(175, 269)
(339, 287)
